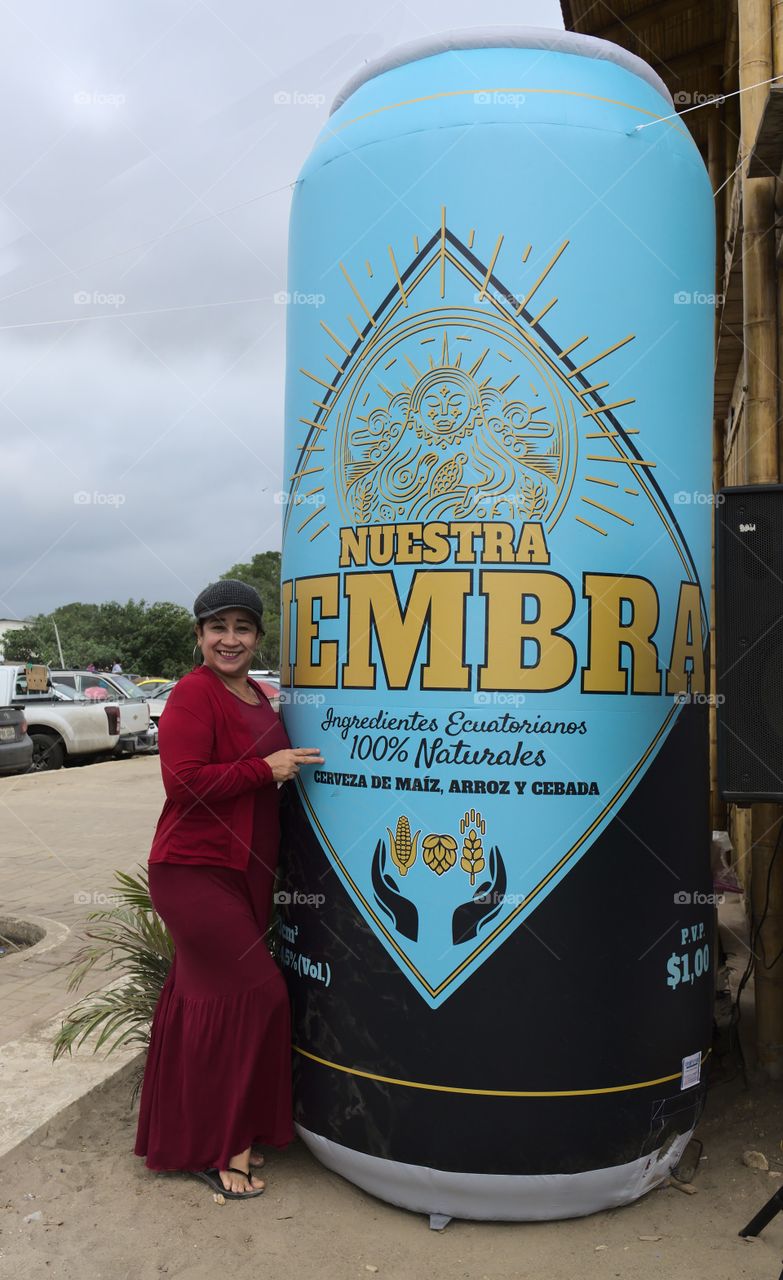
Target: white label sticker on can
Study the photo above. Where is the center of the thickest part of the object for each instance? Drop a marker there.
(691, 1071)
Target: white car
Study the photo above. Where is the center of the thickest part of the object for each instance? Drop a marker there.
(157, 703)
(105, 687)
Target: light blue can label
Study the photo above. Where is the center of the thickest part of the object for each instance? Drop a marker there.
(492, 615)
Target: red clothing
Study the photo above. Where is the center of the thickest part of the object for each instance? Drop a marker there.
(218, 1071)
(212, 770)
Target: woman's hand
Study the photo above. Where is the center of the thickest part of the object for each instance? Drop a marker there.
(286, 764)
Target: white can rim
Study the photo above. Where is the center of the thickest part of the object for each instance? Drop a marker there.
(549, 38)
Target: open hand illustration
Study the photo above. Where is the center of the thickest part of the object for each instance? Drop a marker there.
(402, 911)
(470, 916)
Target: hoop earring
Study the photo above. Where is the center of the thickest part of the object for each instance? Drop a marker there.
(195, 651)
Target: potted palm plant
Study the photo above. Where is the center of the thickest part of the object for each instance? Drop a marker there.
(130, 941)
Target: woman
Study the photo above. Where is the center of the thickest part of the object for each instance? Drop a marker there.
(218, 1077)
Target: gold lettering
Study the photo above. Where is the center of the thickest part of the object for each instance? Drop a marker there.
(509, 630)
(320, 672)
(381, 543)
(465, 531)
(353, 546)
(286, 593)
(436, 604)
(686, 645)
(606, 594)
(498, 543)
(532, 548)
(408, 544)
(436, 542)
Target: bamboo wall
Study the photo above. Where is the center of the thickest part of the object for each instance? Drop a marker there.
(750, 447)
(708, 51)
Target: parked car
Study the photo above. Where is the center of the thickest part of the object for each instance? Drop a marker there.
(157, 701)
(125, 685)
(16, 747)
(64, 693)
(134, 711)
(149, 684)
(58, 730)
(271, 689)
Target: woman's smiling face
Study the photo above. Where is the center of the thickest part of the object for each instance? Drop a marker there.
(228, 641)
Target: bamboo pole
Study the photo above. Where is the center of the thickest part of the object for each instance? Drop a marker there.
(716, 162)
(761, 358)
(777, 69)
(731, 108)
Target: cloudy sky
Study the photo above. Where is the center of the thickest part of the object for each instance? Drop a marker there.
(146, 171)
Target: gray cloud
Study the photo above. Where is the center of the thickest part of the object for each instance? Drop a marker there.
(143, 356)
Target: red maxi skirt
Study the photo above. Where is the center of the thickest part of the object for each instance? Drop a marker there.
(218, 1073)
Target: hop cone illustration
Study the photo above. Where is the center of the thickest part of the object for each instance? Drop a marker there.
(439, 852)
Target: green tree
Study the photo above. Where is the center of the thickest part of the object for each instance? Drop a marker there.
(263, 573)
(154, 639)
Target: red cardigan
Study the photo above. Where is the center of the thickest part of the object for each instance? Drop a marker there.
(212, 769)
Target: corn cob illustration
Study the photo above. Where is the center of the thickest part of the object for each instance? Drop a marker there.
(472, 859)
(439, 852)
(402, 846)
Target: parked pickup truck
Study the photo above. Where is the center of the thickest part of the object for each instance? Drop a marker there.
(59, 730)
(135, 732)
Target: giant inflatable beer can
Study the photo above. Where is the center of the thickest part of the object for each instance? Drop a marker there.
(496, 921)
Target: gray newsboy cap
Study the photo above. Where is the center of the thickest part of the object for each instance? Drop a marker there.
(228, 593)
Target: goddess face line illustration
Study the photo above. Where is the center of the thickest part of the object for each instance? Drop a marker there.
(452, 446)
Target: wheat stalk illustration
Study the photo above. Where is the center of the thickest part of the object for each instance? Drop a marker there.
(472, 828)
(534, 498)
(362, 501)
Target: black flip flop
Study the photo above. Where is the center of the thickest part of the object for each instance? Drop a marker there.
(213, 1180)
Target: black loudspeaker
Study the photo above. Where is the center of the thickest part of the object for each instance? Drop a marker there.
(749, 635)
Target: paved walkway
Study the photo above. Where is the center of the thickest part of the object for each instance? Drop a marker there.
(62, 836)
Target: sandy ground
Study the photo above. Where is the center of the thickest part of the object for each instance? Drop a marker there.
(104, 1215)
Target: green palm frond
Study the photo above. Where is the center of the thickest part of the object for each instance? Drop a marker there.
(130, 942)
